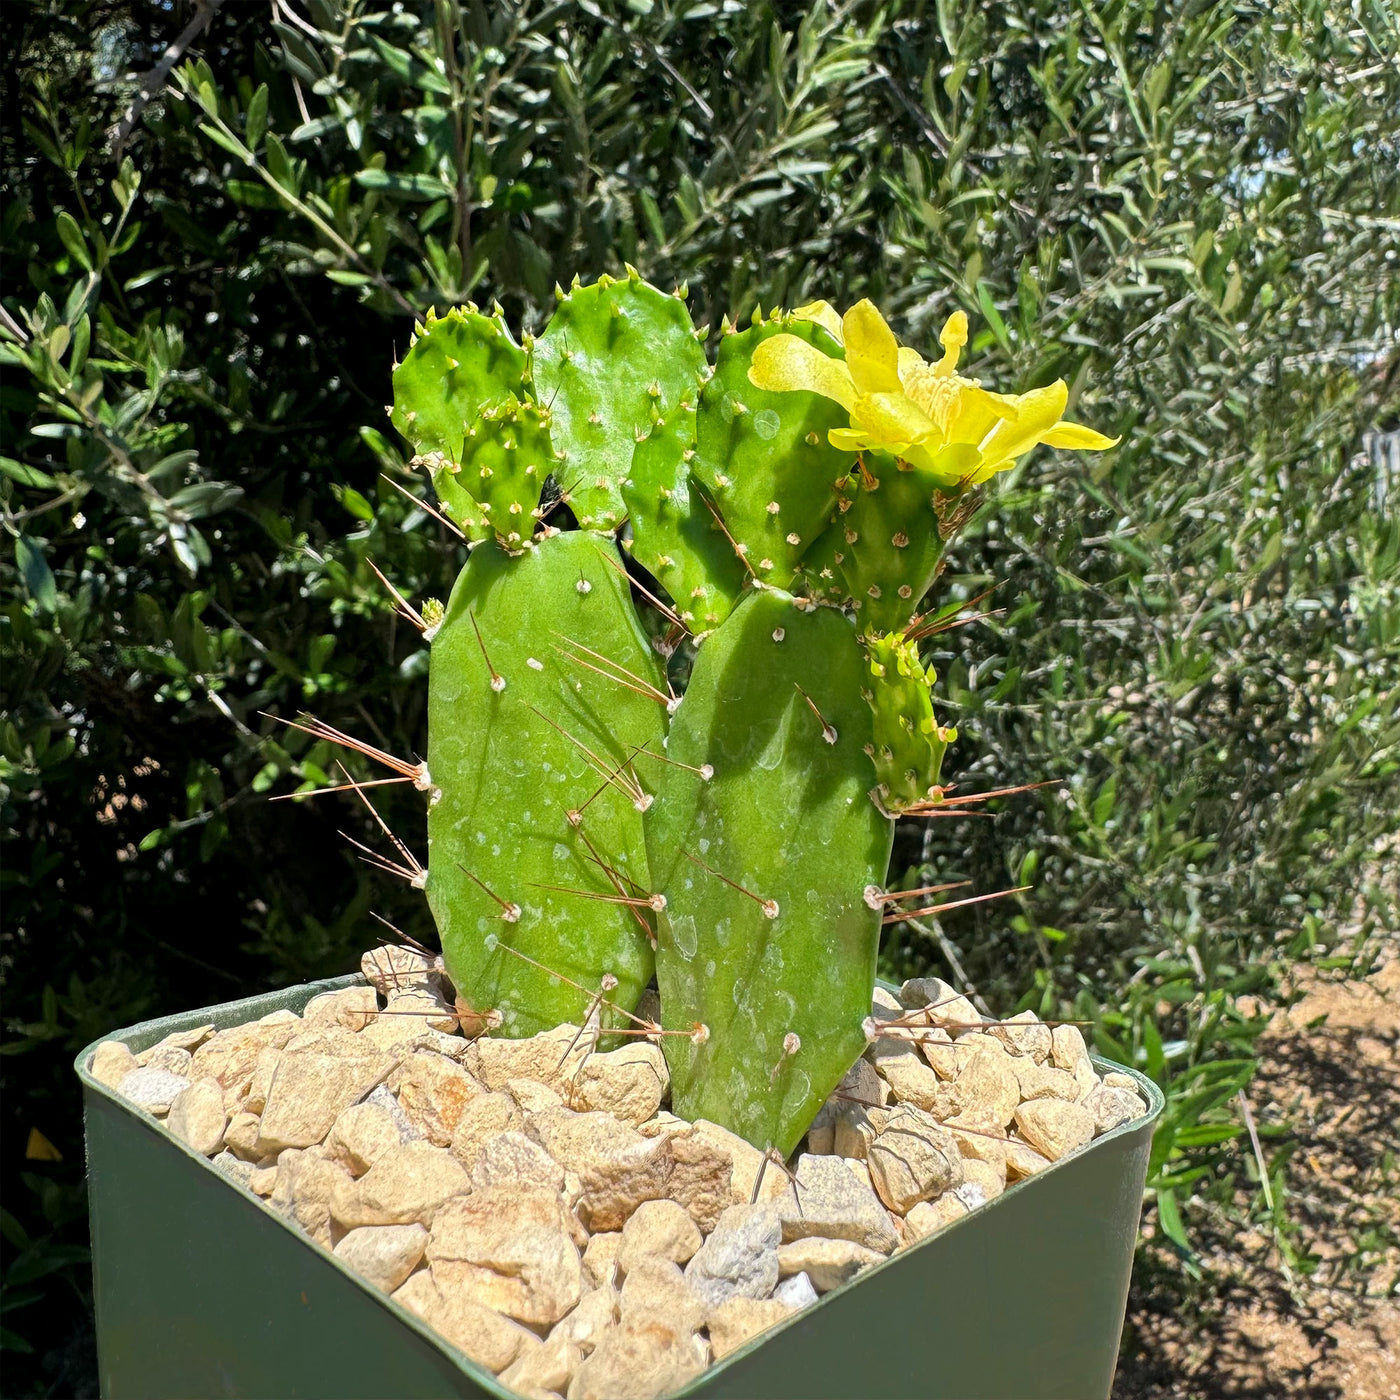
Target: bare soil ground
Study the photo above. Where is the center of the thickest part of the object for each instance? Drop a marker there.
(1328, 1327)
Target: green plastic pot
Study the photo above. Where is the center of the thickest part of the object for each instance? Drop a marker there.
(201, 1289)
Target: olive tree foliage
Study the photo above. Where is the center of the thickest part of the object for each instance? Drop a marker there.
(1190, 211)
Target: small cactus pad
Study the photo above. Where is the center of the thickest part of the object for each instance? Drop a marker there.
(908, 742)
(888, 544)
(764, 457)
(765, 847)
(505, 459)
(614, 354)
(456, 364)
(675, 533)
(509, 717)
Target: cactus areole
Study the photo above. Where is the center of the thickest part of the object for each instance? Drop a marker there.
(766, 527)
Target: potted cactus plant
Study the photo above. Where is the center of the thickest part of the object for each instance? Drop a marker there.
(676, 706)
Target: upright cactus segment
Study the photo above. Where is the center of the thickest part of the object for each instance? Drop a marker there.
(675, 532)
(456, 365)
(765, 457)
(614, 354)
(765, 846)
(506, 456)
(908, 743)
(535, 824)
(887, 541)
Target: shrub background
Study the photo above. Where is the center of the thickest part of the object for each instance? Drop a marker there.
(1190, 210)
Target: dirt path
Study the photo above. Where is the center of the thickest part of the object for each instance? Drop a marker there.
(1331, 1067)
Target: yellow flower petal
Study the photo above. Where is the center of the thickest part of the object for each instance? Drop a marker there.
(890, 420)
(824, 314)
(849, 439)
(1077, 438)
(978, 412)
(872, 352)
(910, 363)
(787, 362)
(1036, 413)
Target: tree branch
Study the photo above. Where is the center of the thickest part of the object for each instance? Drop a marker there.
(155, 80)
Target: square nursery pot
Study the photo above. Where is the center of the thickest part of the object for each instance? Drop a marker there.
(202, 1289)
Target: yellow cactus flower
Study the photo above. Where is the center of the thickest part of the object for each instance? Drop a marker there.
(926, 414)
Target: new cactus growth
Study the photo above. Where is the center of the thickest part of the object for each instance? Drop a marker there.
(764, 457)
(613, 354)
(579, 811)
(456, 366)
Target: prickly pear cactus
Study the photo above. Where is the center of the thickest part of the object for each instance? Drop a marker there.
(506, 457)
(456, 365)
(539, 781)
(764, 457)
(886, 542)
(765, 845)
(614, 354)
(907, 743)
(676, 533)
(571, 831)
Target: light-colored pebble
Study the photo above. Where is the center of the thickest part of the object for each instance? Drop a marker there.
(197, 1115)
(914, 1159)
(173, 1059)
(152, 1089)
(111, 1062)
(629, 1082)
(930, 1216)
(485, 1336)
(1112, 1107)
(305, 1185)
(543, 1370)
(827, 1263)
(600, 1257)
(636, 1364)
(392, 968)
(483, 1117)
(1024, 1034)
(797, 1291)
(655, 1294)
(512, 1159)
(351, 1007)
(660, 1228)
(362, 1134)
(740, 1258)
(433, 1092)
(595, 1314)
(407, 1183)
(830, 1201)
(545, 1057)
(385, 1255)
(508, 1248)
(231, 1056)
(318, 1077)
(737, 1321)
(1054, 1128)
(702, 1174)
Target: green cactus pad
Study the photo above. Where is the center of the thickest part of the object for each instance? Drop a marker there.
(785, 814)
(614, 353)
(908, 743)
(456, 364)
(674, 532)
(505, 459)
(764, 457)
(889, 541)
(504, 778)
